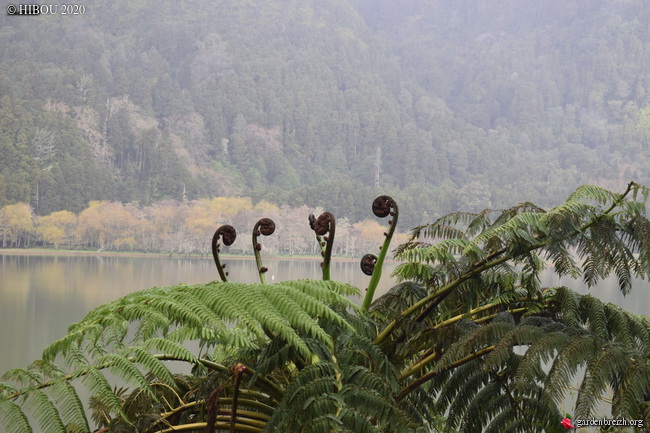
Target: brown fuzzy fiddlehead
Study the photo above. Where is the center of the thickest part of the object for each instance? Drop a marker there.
(228, 235)
(325, 224)
(264, 227)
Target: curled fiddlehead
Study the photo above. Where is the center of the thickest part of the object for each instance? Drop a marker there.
(265, 227)
(382, 207)
(368, 264)
(325, 224)
(228, 234)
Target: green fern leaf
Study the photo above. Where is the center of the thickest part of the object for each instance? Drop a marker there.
(70, 407)
(13, 418)
(44, 411)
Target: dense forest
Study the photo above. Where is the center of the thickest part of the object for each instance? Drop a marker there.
(444, 105)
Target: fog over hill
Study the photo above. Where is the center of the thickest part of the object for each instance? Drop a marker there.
(445, 105)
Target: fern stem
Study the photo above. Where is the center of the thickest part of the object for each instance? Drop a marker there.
(239, 369)
(492, 316)
(433, 356)
(200, 426)
(273, 390)
(264, 409)
(325, 224)
(486, 307)
(266, 227)
(418, 365)
(383, 206)
(228, 234)
(430, 375)
(247, 414)
(264, 414)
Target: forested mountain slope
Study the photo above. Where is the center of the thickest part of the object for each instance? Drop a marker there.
(321, 102)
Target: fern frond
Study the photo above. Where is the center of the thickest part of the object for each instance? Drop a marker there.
(459, 390)
(70, 407)
(126, 370)
(541, 352)
(633, 389)
(520, 335)
(569, 358)
(44, 411)
(100, 389)
(13, 418)
(595, 310)
(484, 405)
(481, 337)
(600, 372)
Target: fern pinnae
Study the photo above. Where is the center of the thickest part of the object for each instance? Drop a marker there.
(540, 352)
(170, 349)
(511, 227)
(463, 398)
(467, 375)
(225, 300)
(311, 306)
(360, 376)
(205, 315)
(593, 192)
(353, 421)
(479, 223)
(575, 353)
(634, 387)
(150, 363)
(486, 403)
(618, 325)
(24, 376)
(176, 309)
(297, 317)
(44, 411)
(125, 369)
(371, 403)
(601, 369)
(7, 389)
(481, 337)
(520, 335)
(595, 311)
(70, 405)
(332, 292)
(569, 305)
(273, 321)
(640, 330)
(13, 418)
(101, 390)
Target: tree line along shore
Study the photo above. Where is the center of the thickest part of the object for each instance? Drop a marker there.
(173, 227)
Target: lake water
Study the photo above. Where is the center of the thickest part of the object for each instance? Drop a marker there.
(40, 296)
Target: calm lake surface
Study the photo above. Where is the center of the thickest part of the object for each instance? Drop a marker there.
(40, 296)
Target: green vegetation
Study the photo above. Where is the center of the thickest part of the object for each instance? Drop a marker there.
(441, 105)
(469, 341)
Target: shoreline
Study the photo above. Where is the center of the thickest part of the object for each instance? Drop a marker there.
(80, 253)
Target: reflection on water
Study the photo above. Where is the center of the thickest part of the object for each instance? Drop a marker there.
(40, 296)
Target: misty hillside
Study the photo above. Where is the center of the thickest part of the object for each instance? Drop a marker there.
(445, 105)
